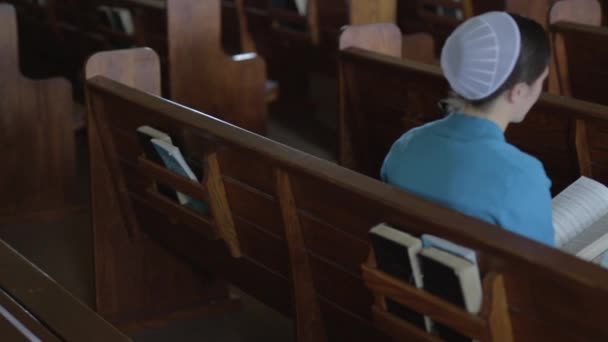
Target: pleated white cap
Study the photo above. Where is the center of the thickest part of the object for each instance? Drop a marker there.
(480, 54)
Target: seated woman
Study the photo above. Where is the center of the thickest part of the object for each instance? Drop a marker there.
(496, 64)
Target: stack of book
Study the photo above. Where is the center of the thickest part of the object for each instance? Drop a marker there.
(438, 266)
(450, 271)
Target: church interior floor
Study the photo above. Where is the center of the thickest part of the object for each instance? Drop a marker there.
(63, 249)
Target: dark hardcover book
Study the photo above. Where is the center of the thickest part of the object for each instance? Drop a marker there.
(395, 252)
(454, 279)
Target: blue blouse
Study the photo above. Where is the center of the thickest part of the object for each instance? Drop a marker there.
(464, 163)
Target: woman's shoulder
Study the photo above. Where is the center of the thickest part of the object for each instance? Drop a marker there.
(522, 165)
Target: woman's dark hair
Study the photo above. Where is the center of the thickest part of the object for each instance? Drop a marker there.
(533, 59)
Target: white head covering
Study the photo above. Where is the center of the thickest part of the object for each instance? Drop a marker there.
(480, 54)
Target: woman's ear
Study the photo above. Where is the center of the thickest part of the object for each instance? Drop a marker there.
(518, 92)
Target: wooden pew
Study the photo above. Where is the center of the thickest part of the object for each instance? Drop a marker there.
(204, 77)
(586, 12)
(123, 286)
(581, 56)
(372, 117)
(32, 305)
(290, 210)
(37, 136)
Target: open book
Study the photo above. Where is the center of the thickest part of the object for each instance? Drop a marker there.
(580, 218)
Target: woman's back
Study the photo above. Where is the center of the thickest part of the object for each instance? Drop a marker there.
(464, 162)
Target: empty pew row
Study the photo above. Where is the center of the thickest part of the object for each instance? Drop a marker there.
(292, 230)
(33, 307)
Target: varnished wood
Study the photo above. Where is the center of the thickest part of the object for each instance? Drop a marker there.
(36, 135)
(123, 286)
(372, 11)
(491, 324)
(536, 10)
(44, 307)
(581, 73)
(140, 68)
(399, 329)
(548, 293)
(247, 43)
(496, 309)
(383, 38)
(419, 47)
(574, 30)
(586, 12)
(370, 123)
(424, 303)
(219, 205)
(386, 38)
(309, 323)
(204, 77)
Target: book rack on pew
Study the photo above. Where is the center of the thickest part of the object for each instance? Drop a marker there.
(491, 324)
(290, 210)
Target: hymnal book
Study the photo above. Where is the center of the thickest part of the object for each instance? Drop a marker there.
(396, 254)
(145, 135)
(580, 219)
(302, 6)
(453, 279)
(174, 161)
(449, 247)
(125, 19)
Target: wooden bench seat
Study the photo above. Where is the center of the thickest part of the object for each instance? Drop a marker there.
(292, 230)
(32, 305)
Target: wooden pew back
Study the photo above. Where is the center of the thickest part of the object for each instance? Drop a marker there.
(373, 117)
(383, 38)
(580, 54)
(123, 284)
(202, 76)
(301, 224)
(36, 135)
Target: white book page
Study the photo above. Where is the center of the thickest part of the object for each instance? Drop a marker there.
(578, 207)
(591, 243)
